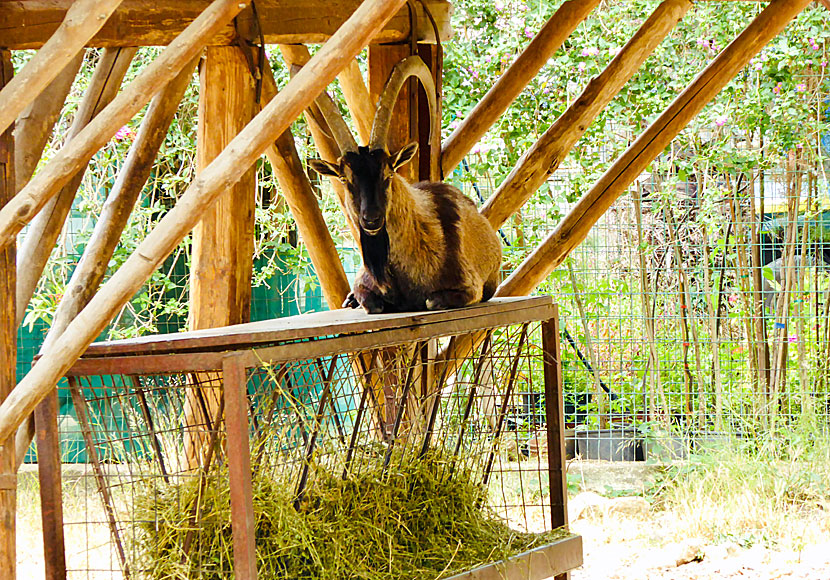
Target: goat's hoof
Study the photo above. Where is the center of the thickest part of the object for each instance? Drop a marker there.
(350, 302)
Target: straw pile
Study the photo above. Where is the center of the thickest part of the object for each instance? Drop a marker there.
(419, 519)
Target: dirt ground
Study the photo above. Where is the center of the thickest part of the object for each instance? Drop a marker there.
(625, 538)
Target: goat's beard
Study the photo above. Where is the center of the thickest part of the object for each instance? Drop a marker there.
(375, 249)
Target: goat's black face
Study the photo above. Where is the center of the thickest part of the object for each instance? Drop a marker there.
(367, 174)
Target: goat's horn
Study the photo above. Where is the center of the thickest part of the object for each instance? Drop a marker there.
(340, 131)
(408, 67)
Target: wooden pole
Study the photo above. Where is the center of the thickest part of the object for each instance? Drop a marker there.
(114, 217)
(8, 346)
(299, 194)
(83, 19)
(357, 97)
(46, 227)
(60, 169)
(514, 80)
(574, 227)
(553, 146)
(33, 126)
(225, 170)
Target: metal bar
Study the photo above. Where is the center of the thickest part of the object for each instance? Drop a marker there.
(49, 476)
(235, 392)
(505, 403)
(145, 411)
(468, 407)
(318, 419)
(436, 403)
(555, 419)
(80, 410)
(402, 408)
(338, 424)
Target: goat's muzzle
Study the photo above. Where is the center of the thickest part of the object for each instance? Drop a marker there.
(372, 226)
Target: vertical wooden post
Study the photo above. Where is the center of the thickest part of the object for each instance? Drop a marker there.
(223, 242)
(8, 346)
(239, 468)
(555, 420)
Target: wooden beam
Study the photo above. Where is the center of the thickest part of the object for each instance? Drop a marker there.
(301, 200)
(223, 241)
(46, 227)
(361, 105)
(60, 169)
(28, 23)
(8, 346)
(33, 126)
(574, 227)
(513, 81)
(115, 214)
(80, 22)
(225, 170)
(542, 159)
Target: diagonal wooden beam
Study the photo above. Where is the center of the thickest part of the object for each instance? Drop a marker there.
(357, 98)
(60, 169)
(83, 19)
(225, 170)
(45, 229)
(542, 159)
(299, 195)
(513, 81)
(33, 126)
(574, 227)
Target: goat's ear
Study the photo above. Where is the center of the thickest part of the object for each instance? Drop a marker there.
(404, 156)
(325, 168)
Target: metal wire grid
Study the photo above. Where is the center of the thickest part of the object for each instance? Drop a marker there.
(341, 413)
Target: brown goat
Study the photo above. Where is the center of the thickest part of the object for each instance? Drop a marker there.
(424, 246)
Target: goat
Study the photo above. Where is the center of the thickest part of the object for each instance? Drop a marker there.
(424, 246)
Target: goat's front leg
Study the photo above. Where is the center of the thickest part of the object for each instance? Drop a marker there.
(366, 294)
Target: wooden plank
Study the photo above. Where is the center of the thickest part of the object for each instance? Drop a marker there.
(77, 25)
(537, 564)
(49, 478)
(245, 149)
(303, 326)
(8, 344)
(514, 80)
(575, 226)
(555, 421)
(29, 23)
(544, 157)
(223, 241)
(60, 169)
(179, 361)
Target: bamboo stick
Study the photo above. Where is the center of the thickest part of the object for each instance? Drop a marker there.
(228, 167)
(8, 347)
(298, 193)
(34, 125)
(114, 217)
(543, 158)
(574, 227)
(83, 19)
(60, 169)
(513, 81)
(37, 246)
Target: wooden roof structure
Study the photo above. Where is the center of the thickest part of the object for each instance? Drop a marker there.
(235, 129)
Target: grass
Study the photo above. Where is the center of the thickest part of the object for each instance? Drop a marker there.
(775, 493)
(421, 519)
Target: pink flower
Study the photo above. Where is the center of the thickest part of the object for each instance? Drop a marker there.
(124, 133)
(792, 338)
(801, 87)
(777, 89)
(733, 298)
(590, 51)
(488, 58)
(823, 64)
(498, 5)
(529, 32)
(721, 120)
(581, 67)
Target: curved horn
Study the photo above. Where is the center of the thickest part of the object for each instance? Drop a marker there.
(339, 130)
(408, 67)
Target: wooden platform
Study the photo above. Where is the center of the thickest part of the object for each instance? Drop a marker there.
(543, 562)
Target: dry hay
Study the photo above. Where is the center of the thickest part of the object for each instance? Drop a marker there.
(417, 519)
